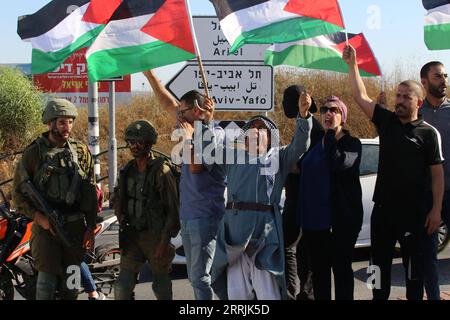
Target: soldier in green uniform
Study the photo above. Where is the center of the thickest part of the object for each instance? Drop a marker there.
(146, 205)
(62, 170)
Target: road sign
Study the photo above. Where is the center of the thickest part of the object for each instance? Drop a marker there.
(70, 81)
(233, 87)
(213, 45)
(232, 128)
(230, 124)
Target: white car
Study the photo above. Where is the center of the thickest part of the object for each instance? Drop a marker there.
(368, 176)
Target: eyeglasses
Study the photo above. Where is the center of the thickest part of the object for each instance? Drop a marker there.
(181, 112)
(333, 110)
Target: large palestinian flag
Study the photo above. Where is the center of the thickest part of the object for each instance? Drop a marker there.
(141, 35)
(61, 28)
(276, 21)
(324, 53)
(437, 24)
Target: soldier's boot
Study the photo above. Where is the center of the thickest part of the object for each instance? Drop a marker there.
(162, 286)
(124, 286)
(46, 286)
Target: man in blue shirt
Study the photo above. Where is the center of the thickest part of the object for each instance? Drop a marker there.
(436, 112)
(202, 202)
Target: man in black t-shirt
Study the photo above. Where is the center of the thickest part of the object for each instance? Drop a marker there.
(410, 159)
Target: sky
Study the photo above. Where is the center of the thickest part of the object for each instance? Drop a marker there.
(394, 30)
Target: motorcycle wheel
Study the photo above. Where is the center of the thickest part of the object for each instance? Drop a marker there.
(109, 252)
(6, 288)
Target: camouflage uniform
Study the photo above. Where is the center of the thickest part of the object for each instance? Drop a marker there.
(47, 167)
(149, 203)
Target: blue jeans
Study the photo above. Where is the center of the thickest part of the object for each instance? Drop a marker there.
(431, 272)
(446, 208)
(86, 278)
(199, 241)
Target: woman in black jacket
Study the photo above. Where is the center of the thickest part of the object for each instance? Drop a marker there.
(344, 156)
(331, 208)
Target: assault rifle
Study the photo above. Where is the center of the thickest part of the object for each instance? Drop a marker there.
(54, 217)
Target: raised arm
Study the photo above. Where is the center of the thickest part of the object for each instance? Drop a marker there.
(291, 153)
(164, 97)
(358, 89)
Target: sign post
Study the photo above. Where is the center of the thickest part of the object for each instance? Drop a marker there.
(112, 145)
(93, 127)
(112, 142)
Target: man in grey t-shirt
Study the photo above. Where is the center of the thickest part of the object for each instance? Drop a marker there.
(436, 111)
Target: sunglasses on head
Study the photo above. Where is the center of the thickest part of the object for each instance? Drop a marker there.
(334, 110)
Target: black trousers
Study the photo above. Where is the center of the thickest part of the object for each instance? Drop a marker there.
(332, 251)
(304, 271)
(318, 246)
(291, 240)
(343, 239)
(390, 224)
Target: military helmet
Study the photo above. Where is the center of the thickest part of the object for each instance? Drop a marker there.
(56, 108)
(141, 130)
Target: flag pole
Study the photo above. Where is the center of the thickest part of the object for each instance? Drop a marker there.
(382, 74)
(197, 51)
(345, 29)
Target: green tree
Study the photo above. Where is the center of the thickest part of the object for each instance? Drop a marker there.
(20, 109)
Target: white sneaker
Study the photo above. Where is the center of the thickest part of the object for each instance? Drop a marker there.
(100, 296)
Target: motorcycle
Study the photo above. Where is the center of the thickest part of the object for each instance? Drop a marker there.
(16, 262)
(17, 269)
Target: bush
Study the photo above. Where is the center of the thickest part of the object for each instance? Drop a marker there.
(20, 109)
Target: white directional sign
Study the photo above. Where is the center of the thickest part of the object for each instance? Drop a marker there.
(213, 45)
(233, 87)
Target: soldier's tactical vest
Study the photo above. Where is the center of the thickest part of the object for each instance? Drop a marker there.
(153, 216)
(59, 177)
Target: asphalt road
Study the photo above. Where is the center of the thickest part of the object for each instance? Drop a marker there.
(183, 291)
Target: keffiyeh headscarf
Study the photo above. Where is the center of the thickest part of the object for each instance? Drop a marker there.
(272, 154)
(271, 126)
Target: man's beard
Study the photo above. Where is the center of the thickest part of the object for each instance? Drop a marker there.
(437, 92)
(55, 132)
(401, 108)
(142, 152)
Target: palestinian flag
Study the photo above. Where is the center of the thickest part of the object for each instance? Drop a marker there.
(61, 28)
(276, 21)
(325, 53)
(437, 24)
(141, 35)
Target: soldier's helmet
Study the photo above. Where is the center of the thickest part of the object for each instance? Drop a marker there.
(57, 108)
(141, 130)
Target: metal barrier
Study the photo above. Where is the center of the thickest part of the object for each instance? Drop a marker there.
(7, 155)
